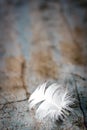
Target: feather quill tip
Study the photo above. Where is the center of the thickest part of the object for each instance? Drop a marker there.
(51, 101)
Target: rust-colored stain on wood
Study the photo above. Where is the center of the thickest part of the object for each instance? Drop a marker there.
(81, 33)
(13, 64)
(13, 72)
(10, 82)
(44, 65)
(73, 53)
(15, 82)
(78, 31)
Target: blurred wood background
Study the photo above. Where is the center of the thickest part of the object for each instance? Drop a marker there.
(41, 40)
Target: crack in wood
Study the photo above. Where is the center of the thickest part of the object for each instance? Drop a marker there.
(23, 67)
(80, 105)
(26, 99)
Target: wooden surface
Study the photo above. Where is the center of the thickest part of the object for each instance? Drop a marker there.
(41, 41)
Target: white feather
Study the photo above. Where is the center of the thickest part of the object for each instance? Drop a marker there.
(52, 101)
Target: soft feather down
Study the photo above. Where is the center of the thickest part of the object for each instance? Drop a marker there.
(51, 101)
